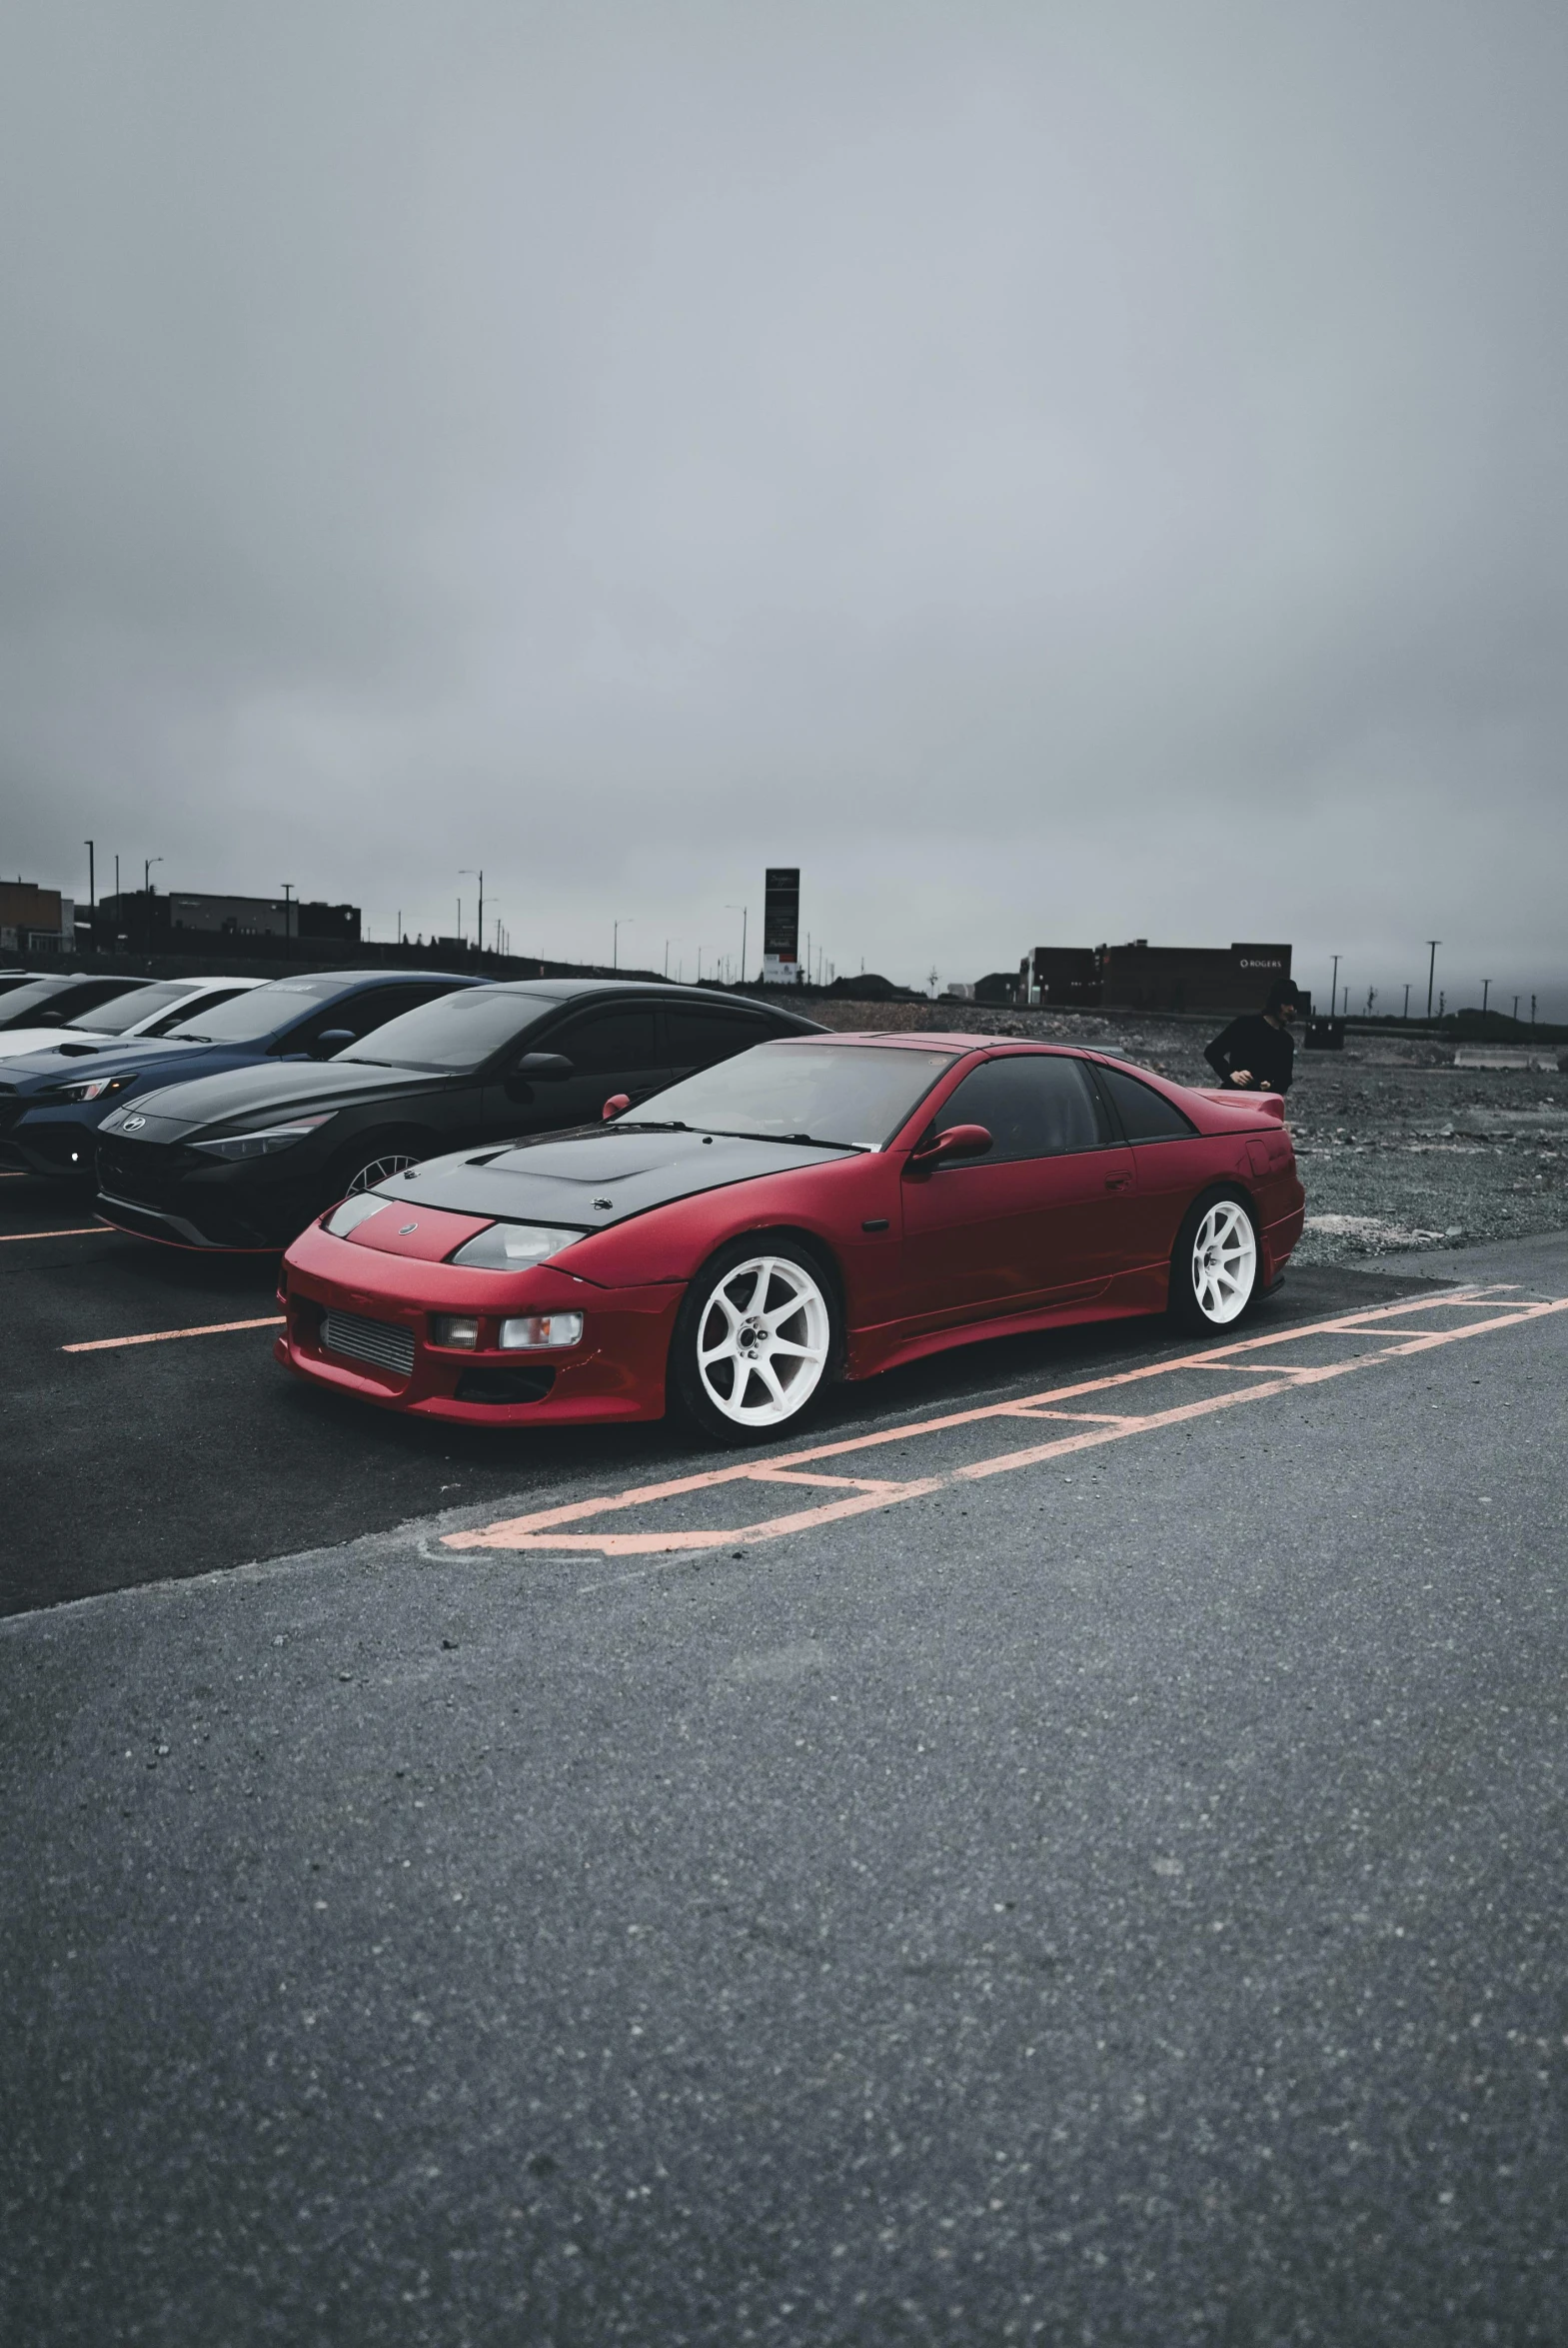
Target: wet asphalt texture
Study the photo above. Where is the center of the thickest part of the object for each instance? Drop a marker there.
(1119, 1901)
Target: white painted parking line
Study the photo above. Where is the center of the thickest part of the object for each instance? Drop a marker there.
(161, 1337)
(82, 1230)
(546, 1529)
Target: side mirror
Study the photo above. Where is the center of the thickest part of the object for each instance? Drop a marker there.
(957, 1141)
(544, 1067)
(614, 1105)
(332, 1040)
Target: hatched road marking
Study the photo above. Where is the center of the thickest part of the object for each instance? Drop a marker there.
(161, 1337)
(546, 1529)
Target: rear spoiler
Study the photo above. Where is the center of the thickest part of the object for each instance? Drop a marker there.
(1267, 1105)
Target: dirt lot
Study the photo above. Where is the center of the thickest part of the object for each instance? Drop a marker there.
(1398, 1147)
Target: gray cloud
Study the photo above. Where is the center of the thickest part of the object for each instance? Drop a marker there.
(1056, 474)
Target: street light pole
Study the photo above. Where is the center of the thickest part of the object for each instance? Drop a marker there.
(1431, 969)
(1486, 988)
(288, 916)
(744, 912)
(1407, 1002)
(626, 922)
(148, 863)
(1333, 990)
(475, 872)
(92, 896)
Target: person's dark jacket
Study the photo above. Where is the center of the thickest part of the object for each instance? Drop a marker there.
(1254, 1043)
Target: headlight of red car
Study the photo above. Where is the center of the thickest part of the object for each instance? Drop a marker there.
(514, 1246)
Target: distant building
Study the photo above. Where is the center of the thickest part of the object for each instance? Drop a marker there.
(165, 923)
(35, 921)
(1141, 976)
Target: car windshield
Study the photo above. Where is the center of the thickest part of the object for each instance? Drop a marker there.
(855, 1095)
(123, 1010)
(18, 1001)
(451, 1034)
(257, 1014)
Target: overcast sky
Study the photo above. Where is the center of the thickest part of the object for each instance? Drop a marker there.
(1057, 472)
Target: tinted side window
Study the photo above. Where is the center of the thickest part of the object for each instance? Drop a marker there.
(371, 1010)
(1146, 1115)
(695, 1038)
(606, 1042)
(1032, 1107)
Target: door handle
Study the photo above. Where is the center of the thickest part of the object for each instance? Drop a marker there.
(1119, 1181)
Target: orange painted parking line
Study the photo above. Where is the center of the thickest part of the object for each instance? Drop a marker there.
(161, 1337)
(83, 1231)
(544, 1529)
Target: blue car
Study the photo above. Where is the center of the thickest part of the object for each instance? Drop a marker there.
(52, 1103)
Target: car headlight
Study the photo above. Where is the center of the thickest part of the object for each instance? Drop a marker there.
(353, 1211)
(265, 1140)
(542, 1329)
(89, 1088)
(514, 1246)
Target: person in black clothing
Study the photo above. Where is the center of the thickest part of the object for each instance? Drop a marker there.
(1255, 1054)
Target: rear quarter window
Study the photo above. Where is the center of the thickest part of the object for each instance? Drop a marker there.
(1146, 1115)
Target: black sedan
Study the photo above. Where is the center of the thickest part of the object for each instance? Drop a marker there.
(245, 1160)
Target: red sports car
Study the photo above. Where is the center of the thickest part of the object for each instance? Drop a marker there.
(809, 1210)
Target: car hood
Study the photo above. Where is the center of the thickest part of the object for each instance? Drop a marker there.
(272, 1087)
(594, 1178)
(41, 1071)
(14, 1042)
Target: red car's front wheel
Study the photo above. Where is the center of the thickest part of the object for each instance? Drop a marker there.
(755, 1341)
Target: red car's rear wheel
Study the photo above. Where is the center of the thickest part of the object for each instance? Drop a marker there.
(1214, 1269)
(757, 1340)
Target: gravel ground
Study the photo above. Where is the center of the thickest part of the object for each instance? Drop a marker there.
(1398, 1149)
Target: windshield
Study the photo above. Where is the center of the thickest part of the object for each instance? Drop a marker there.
(453, 1033)
(818, 1092)
(257, 1014)
(123, 1010)
(17, 1001)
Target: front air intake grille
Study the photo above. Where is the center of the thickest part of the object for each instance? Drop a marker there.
(379, 1341)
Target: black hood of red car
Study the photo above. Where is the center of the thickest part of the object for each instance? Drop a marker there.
(599, 1175)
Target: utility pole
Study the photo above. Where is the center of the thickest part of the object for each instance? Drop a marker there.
(1333, 990)
(288, 916)
(1486, 988)
(1431, 967)
(1532, 1012)
(1407, 1002)
(475, 873)
(148, 863)
(1516, 1011)
(92, 898)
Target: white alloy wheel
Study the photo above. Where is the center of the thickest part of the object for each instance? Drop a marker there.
(762, 1340)
(1224, 1262)
(380, 1170)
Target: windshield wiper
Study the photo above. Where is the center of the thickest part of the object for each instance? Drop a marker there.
(646, 1124)
(790, 1140)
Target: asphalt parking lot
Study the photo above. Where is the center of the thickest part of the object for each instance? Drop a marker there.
(137, 1460)
(1068, 1851)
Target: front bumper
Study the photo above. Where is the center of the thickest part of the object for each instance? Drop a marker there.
(176, 1193)
(617, 1372)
